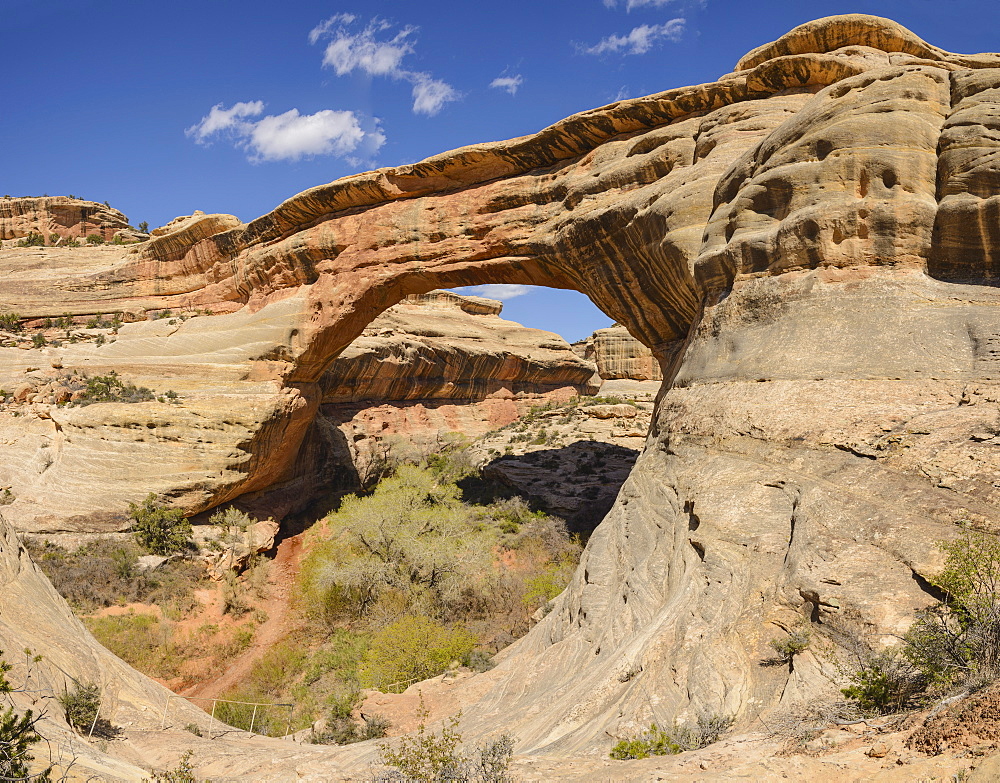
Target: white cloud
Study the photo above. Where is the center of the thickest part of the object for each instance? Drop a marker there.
(337, 20)
(640, 40)
(376, 51)
(632, 4)
(508, 83)
(429, 95)
(349, 52)
(291, 136)
(219, 119)
(501, 291)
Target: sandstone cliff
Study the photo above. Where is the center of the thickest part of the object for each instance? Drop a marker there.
(805, 247)
(619, 356)
(70, 218)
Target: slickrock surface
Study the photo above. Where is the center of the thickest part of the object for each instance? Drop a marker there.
(805, 246)
(70, 218)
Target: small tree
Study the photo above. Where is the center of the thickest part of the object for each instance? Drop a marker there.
(17, 735)
(163, 531)
(429, 757)
(95, 239)
(144, 227)
(81, 705)
(959, 638)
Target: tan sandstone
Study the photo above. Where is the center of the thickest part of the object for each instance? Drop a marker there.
(803, 245)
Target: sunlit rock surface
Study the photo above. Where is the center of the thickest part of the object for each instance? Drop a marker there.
(805, 247)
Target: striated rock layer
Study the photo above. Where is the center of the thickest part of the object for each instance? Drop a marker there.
(805, 246)
(69, 218)
(619, 356)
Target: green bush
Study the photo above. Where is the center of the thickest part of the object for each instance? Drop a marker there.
(81, 705)
(161, 530)
(11, 322)
(883, 681)
(95, 239)
(34, 239)
(141, 640)
(954, 643)
(959, 638)
(111, 388)
(655, 741)
(413, 648)
(343, 729)
(428, 756)
(788, 647)
(182, 773)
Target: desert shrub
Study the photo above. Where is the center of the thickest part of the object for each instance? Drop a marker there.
(95, 239)
(954, 643)
(343, 729)
(413, 648)
(958, 639)
(17, 735)
(34, 239)
(38, 340)
(543, 587)
(105, 573)
(6, 497)
(111, 388)
(11, 322)
(144, 227)
(429, 756)
(161, 530)
(182, 773)
(81, 705)
(789, 646)
(883, 681)
(656, 741)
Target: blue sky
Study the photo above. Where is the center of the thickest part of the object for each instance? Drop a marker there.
(162, 108)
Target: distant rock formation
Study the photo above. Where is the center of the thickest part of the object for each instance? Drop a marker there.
(69, 218)
(619, 356)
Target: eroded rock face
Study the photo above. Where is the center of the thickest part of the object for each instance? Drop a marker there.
(619, 356)
(804, 246)
(69, 218)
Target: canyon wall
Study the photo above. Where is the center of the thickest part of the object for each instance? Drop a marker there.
(804, 245)
(67, 218)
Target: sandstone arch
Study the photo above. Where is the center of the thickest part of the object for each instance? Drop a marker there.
(783, 239)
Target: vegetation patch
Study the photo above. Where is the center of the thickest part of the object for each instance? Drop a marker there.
(106, 573)
(429, 755)
(952, 647)
(161, 530)
(656, 741)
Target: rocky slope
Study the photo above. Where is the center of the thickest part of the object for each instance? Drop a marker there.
(805, 247)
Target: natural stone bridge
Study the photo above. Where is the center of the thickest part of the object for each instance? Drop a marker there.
(807, 244)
